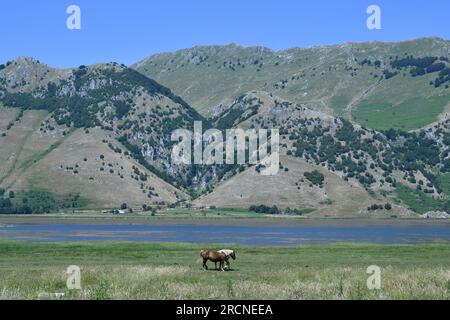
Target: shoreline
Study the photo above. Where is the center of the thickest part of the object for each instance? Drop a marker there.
(228, 221)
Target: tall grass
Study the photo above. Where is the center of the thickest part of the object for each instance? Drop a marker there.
(169, 271)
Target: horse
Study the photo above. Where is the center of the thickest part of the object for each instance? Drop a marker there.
(214, 256)
(230, 254)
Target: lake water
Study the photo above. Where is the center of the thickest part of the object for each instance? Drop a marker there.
(245, 235)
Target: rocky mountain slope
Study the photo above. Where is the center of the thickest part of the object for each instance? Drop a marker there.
(391, 166)
(100, 136)
(122, 113)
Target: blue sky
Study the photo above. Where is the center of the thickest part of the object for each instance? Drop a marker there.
(127, 31)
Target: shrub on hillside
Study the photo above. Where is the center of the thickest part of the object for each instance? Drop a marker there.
(315, 177)
(264, 209)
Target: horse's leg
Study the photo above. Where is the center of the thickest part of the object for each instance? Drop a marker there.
(205, 266)
(221, 265)
(215, 265)
(225, 261)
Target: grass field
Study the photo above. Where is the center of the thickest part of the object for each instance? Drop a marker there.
(111, 270)
(409, 115)
(417, 200)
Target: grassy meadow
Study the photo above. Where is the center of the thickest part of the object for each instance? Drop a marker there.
(409, 115)
(121, 270)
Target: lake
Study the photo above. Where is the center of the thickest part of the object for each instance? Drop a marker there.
(228, 234)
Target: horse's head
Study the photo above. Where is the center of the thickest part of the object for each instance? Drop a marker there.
(233, 255)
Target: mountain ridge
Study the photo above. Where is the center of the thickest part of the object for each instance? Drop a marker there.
(266, 48)
(327, 78)
(133, 116)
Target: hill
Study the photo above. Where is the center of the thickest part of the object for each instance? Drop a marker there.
(84, 129)
(386, 167)
(290, 189)
(402, 85)
(76, 163)
(100, 137)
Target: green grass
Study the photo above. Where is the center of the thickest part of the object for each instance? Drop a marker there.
(339, 103)
(212, 213)
(118, 270)
(417, 200)
(222, 213)
(412, 114)
(444, 182)
(43, 201)
(307, 210)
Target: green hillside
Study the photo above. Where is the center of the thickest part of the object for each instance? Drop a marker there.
(336, 79)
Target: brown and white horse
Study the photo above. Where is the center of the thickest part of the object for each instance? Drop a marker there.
(214, 256)
(230, 254)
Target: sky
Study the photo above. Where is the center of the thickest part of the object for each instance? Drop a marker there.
(128, 31)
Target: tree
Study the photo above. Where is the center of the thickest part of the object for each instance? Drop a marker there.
(315, 177)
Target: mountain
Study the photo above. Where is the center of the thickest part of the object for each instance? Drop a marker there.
(402, 85)
(410, 169)
(83, 131)
(100, 136)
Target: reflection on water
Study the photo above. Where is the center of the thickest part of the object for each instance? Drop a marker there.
(248, 235)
